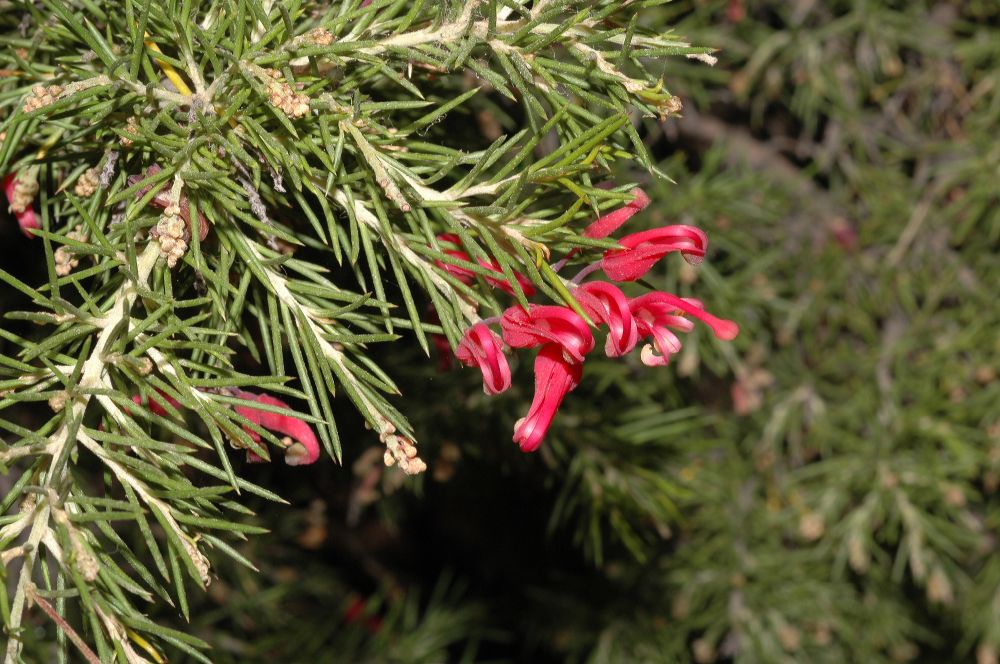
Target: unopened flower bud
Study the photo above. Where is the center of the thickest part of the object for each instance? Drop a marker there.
(857, 554)
(939, 589)
(87, 183)
(320, 37)
(811, 526)
(789, 637)
(703, 651)
(986, 653)
(58, 400)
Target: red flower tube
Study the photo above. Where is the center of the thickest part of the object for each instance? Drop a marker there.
(605, 303)
(640, 251)
(481, 347)
(612, 221)
(554, 378)
(303, 449)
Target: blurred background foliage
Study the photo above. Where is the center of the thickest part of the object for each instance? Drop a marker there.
(822, 490)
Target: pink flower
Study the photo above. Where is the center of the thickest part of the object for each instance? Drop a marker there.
(609, 223)
(467, 276)
(303, 449)
(547, 324)
(605, 303)
(656, 313)
(26, 219)
(640, 251)
(554, 378)
(481, 347)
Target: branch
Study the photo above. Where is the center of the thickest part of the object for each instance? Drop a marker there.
(60, 441)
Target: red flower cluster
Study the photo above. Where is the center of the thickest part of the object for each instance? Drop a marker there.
(565, 338)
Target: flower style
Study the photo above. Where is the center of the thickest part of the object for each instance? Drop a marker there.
(467, 276)
(554, 378)
(606, 304)
(612, 221)
(300, 449)
(23, 212)
(640, 251)
(481, 347)
(547, 324)
(656, 313)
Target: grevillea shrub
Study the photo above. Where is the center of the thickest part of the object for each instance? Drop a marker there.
(240, 207)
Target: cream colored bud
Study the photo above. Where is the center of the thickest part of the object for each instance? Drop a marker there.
(811, 526)
(790, 638)
(320, 37)
(939, 588)
(58, 400)
(986, 653)
(703, 651)
(87, 183)
(25, 188)
(857, 554)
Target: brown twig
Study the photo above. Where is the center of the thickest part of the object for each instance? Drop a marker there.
(50, 611)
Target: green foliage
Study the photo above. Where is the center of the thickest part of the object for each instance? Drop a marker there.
(822, 490)
(323, 147)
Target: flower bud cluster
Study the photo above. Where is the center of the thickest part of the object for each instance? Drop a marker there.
(64, 257)
(282, 96)
(132, 127)
(401, 450)
(169, 232)
(87, 183)
(25, 190)
(320, 37)
(41, 96)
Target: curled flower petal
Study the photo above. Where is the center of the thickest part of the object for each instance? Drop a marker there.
(547, 324)
(640, 251)
(302, 449)
(481, 347)
(661, 304)
(605, 303)
(612, 221)
(554, 378)
(466, 275)
(26, 219)
(655, 315)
